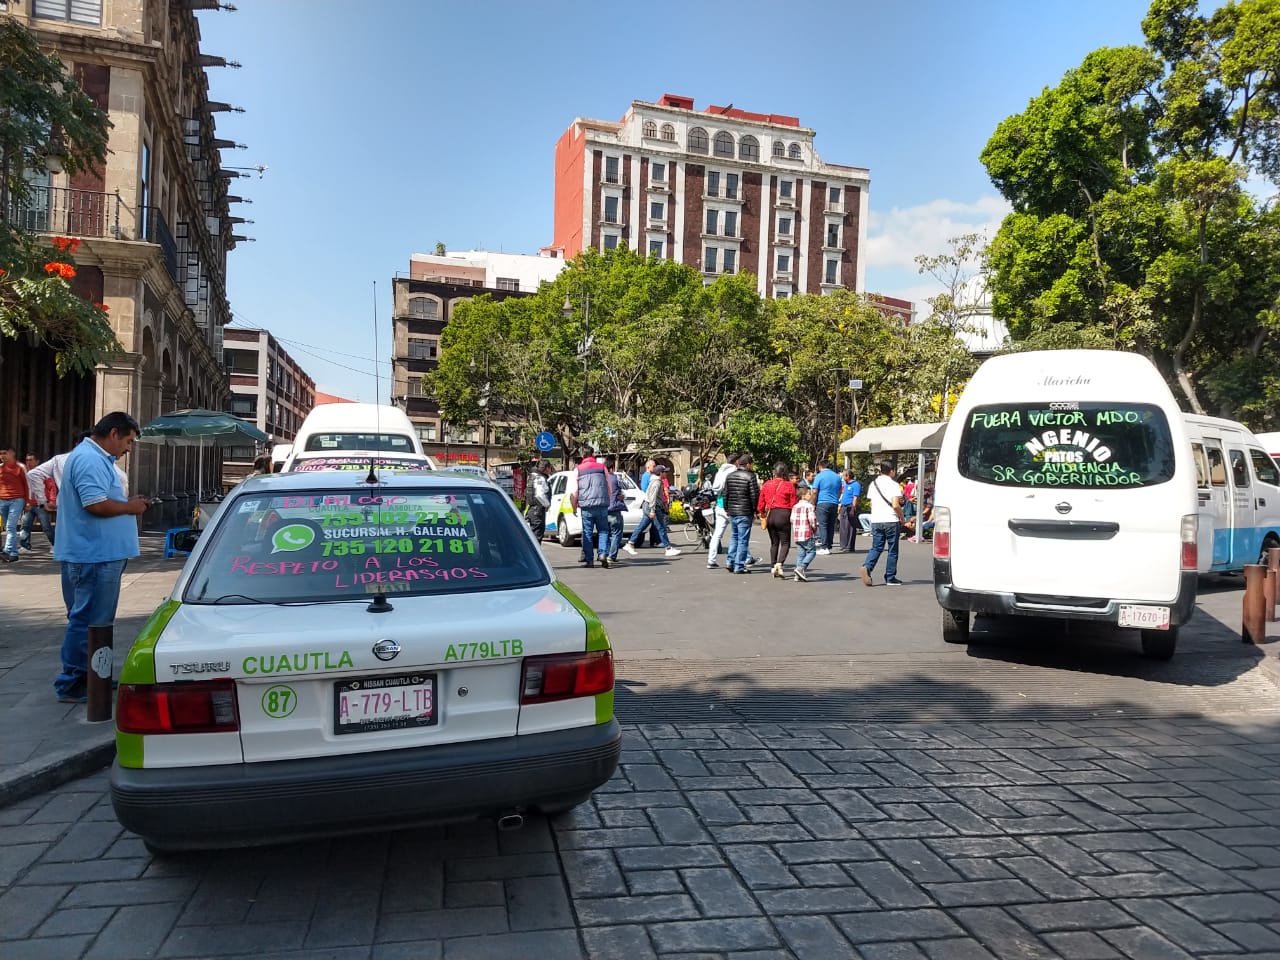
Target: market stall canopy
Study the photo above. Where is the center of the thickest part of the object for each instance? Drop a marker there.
(904, 438)
(196, 427)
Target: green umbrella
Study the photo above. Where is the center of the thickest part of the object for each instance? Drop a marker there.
(191, 428)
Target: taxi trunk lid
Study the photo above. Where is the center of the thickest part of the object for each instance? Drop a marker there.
(332, 678)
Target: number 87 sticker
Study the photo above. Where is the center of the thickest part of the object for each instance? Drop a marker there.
(279, 701)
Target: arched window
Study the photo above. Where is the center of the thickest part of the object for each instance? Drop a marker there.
(749, 149)
(650, 130)
(668, 133)
(723, 144)
(421, 308)
(697, 140)
(779, 150)
(793, 151)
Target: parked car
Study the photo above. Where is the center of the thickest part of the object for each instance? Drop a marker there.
(339, 656)
(567, 527)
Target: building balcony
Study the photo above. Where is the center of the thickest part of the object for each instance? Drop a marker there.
(659, 186)
(784, 240)
(726, 197)
(64, 212)
(786, 201)
(835, 208)
(781, 276)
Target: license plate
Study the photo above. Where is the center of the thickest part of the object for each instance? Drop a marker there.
(1147, 618)
(371, 704)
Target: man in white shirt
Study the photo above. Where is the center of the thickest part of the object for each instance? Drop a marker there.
(722, 519)
(886, 513)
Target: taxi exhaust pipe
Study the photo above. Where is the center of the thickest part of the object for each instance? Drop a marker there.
(511, 821)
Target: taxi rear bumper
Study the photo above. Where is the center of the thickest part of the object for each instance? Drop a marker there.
(262, 803)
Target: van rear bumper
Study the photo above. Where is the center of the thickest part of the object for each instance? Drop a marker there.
(1106, 609)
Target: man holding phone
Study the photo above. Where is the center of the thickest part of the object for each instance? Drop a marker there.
(97, 536)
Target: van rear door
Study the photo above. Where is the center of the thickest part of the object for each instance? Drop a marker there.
(1064, 496)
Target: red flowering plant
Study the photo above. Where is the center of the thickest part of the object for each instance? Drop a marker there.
(55, 121)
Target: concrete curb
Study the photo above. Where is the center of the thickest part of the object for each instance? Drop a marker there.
(37, 776)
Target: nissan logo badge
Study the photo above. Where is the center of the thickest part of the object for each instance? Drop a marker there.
(1063, 507)
(388, 649)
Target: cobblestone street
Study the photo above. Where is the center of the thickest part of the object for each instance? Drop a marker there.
(1153, 838)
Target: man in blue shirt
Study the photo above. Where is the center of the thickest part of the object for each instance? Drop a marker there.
(827, 482)
(850, 491)
(97, 535)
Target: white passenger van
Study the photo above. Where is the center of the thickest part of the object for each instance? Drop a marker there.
(1066, 488)
(351, 436)
(1237, 492)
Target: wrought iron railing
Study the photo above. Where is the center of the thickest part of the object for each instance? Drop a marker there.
(67, 212)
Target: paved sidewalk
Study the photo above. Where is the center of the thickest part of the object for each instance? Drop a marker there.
(46, 742)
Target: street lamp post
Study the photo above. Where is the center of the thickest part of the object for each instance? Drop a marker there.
(584, 345)
(483, 403)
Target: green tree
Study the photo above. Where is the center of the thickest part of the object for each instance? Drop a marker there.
(45, 119)
(769, 437)
(1131, 227)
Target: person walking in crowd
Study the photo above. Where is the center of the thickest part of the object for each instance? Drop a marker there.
(886, 514)
(850, 493)
(656, 508)
(722, 519)
(649, 473)
(97, 536)
(13, 498)
(741, 496)
(37, 506)
(777, 497)
(617, 507)
(539, 500)
(826, 483)
(804, 527)
(591, 496)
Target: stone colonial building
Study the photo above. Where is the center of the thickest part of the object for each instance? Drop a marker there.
(155, 227)
(722, 190)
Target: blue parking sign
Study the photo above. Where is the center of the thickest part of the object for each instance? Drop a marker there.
(545, 441)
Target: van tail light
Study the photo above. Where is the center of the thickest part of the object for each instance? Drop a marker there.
(1190, 528)
(563, 676)
(941, 533)
(205, 706)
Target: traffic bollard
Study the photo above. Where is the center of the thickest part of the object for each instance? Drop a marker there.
(1254, 615)
(98, 679)
(1273, 577)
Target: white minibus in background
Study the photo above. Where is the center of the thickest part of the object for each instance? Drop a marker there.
(1066, 488)
(1271, 442)
(352, 436)
(1237, 493)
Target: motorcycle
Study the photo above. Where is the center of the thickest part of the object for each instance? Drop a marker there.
(699, 507)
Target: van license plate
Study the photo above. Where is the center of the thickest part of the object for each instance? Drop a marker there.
(1147, 618)
(371, 704)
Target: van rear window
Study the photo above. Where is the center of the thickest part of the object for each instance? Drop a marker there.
(1067, 445)
(359, 441)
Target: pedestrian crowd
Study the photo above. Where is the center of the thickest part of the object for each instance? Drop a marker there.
(805, 512)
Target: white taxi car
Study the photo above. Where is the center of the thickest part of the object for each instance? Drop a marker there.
(340, 656)
(567, 525)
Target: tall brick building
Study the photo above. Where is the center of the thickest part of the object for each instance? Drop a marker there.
(722, 190)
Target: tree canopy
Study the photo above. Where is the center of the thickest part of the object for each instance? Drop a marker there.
(1132, 227)
(669, 358)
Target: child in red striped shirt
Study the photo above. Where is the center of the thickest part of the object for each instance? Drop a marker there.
(804, 529)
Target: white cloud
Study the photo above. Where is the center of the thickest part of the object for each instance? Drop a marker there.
(896, 238)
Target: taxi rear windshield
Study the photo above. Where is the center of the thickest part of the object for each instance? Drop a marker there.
(1071, 445)
(360, 441)
(323, 546)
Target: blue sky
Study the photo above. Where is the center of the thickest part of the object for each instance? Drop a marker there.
(389, 125)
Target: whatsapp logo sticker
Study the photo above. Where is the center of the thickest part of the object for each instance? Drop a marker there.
(294, 536)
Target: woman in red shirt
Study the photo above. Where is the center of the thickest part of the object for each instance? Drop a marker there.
(777, 497)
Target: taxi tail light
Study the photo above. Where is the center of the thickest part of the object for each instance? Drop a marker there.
(205, 706)
(941, 533)
(563, 676)
(1190, 530)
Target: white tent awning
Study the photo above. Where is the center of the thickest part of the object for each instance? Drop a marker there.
(907, 437)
